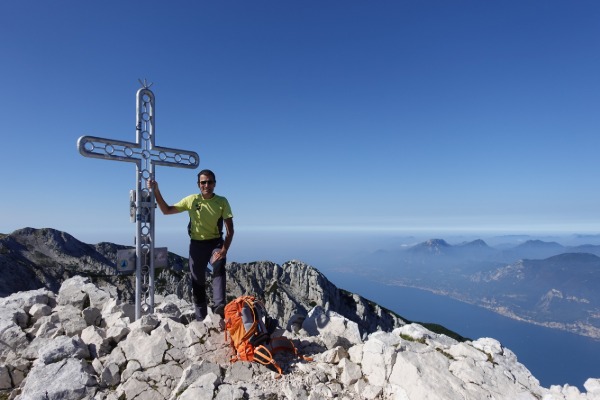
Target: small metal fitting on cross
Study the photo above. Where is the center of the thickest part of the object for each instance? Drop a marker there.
(145, 154)
(145, 84)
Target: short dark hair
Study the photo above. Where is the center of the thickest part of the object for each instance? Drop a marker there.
(207, 172)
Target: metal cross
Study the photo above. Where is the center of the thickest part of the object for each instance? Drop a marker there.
(145, 155)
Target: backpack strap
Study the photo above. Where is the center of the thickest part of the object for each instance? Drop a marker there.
(264, 356)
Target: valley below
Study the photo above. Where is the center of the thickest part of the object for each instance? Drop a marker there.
(537, 282)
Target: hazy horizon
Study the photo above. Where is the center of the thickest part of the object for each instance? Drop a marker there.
(325, 248)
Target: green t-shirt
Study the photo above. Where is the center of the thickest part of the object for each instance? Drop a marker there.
(206, 215)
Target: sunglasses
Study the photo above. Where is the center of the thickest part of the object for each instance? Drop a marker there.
(206, 182)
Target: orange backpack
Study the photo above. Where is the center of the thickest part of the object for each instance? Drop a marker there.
(250, 328)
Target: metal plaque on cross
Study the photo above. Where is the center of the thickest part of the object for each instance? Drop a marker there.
(145, 154)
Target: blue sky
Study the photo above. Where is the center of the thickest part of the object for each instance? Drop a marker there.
(316, 116)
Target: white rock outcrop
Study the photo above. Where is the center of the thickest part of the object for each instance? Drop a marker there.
(82, 344)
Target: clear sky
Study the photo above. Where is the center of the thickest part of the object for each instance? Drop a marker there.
(315, 115)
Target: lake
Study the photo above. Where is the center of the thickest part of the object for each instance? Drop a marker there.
(554, 357)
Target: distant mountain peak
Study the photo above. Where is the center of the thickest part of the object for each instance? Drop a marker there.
(575, 257)
(437, 242)
(432, 246)
(477, 243)
(539, 244)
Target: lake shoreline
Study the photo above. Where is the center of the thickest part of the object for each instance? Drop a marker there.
(584, 330)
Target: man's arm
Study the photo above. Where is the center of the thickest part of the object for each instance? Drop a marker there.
(228, 237)
(162, 204)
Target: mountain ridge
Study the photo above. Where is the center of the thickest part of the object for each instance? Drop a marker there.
(82, 343)
(57, 254)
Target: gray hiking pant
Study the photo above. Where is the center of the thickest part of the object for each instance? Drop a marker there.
(200, 253)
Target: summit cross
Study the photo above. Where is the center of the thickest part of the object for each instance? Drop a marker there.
(145, 154)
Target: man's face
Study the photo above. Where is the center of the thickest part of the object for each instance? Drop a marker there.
(206, 185)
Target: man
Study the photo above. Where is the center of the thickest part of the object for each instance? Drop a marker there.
(208, 212)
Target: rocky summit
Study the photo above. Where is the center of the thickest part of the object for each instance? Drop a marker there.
(81, 341)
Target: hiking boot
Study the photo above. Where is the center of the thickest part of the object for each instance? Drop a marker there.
(220, 310)
(200, 312)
